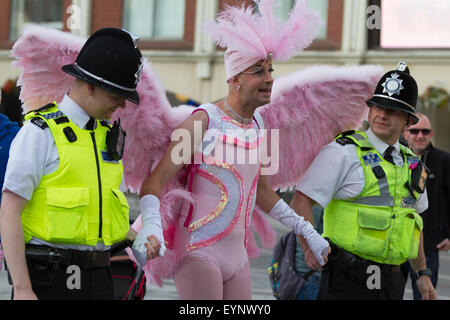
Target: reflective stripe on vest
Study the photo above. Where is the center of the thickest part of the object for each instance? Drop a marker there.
(381, 224)
(80, 203)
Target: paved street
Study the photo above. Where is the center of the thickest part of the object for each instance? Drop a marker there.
(260, 281)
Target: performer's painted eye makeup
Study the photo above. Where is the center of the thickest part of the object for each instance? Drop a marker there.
(259, 69)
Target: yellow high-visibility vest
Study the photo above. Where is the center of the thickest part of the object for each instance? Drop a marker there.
(381, 224)
(80, 203)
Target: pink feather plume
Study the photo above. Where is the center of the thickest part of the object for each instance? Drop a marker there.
(258, 34)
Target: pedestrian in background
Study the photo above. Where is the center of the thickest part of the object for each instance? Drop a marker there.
(436, 224)
(10, 104)
(10, 118)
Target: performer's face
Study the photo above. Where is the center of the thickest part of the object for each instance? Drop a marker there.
(387, 124)
(256, 83)
(104, 103)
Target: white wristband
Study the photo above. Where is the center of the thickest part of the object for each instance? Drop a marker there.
(149, 202)
(151, 223)
(287, 217)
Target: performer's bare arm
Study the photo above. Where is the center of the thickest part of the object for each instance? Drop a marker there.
(266, 198)
(167, 167)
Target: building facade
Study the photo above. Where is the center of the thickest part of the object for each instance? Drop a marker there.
(187, 62)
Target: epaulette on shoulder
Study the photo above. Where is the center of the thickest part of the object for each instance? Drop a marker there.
(347, 133)
(39, 122)
(342, 138)
(105, 123)
(345, 140)
(34, 118)
(47, 106)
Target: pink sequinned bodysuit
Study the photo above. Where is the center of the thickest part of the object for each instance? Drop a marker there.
(224, 187)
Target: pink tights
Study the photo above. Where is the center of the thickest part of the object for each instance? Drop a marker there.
(201, 279)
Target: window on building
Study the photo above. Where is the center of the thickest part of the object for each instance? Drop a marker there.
(44, 12)
(155, 19)
(321, 6)
(411, 24)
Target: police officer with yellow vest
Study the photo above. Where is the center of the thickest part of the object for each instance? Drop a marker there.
(372, 189)
(62, 207)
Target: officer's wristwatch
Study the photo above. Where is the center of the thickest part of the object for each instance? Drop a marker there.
(425, 272)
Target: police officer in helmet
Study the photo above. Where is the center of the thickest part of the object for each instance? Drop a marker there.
(372, 189)
(62, 207)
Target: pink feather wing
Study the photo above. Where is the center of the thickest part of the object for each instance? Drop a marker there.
(310, 108)
(41, 52)
(149, 127)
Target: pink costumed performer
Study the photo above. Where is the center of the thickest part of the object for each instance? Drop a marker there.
(224, 175)
(206, 206)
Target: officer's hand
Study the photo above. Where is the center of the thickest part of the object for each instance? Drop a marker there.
(311, 260)
(318, 245)
(145, 244)
(444, 245)
(147, 247)
(426, 288)
(26, 294)
(153, 245)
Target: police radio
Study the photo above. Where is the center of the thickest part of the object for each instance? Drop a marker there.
(419, 177)
(115, 141)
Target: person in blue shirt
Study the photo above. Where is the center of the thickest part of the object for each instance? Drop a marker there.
(8, 130)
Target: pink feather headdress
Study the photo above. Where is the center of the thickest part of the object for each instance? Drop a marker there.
(250, 37)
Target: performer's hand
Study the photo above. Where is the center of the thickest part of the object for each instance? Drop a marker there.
(312, 262)
(318, 245)
(426, 288)
(149, 242)
(153, 246)
(310, 258)
(147, 248)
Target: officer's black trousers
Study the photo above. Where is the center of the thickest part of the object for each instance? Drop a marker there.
(338, 284)
(61, 282)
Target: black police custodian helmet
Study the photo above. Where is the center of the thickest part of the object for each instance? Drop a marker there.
(111, 60)
(397, 89)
